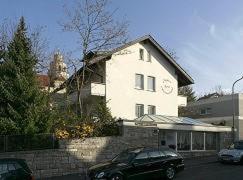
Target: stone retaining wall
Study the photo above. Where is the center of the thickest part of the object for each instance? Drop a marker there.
(75, 156)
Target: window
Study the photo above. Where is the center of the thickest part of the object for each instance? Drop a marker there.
(183, 140)
(151, 109)
(205, 111)
(197, 140)
(139, 110)
(170, 154)
(142, 156)
(141, 54)
(149, 56)
(154, 154)
(210, 141)
(124, 157)
(151, 83)
(139, 81)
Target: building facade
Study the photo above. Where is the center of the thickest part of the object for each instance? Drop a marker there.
(218, 110)
(139, 83)
(136, 79)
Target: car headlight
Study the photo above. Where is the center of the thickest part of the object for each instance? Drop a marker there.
(238, 154)
(100, 175)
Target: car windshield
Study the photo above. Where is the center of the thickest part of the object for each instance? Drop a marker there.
(237, 145)
(124, 157)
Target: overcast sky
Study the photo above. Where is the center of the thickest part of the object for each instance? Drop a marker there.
(207, 35)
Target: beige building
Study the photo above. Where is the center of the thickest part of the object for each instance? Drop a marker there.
(137, 78)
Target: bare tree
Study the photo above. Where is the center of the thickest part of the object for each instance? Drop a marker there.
(96, 29)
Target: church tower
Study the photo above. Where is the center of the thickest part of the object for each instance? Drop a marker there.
(58, 71)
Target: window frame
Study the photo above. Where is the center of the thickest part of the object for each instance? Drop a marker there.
(141, 82)
(153, 83)
(207, 111)
(196, 137)
(137, 113)
(153, 106)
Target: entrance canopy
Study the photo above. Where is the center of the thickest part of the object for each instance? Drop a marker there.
(177, 123)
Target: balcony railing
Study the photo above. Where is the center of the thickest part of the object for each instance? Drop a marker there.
(92, 89)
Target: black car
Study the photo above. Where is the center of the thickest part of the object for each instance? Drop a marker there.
(14, 169)
(139, 163)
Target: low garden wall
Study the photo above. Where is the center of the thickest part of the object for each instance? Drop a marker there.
(76, 155)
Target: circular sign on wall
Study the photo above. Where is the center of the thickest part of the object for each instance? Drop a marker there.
(167, 86)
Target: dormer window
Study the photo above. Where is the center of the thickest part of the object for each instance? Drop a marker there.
(141, 54)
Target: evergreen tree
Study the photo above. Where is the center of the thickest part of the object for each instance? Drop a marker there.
(188, 92)
(23, 107)
(191, 97)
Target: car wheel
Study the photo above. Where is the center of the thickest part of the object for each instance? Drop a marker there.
(116, 177)
(170, 173)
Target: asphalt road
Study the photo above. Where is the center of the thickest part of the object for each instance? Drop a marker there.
(196, 169)
(212, 171)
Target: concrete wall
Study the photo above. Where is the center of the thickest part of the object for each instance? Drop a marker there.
(121, 94)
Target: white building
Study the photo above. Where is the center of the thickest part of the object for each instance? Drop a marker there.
(137, 78)
(139, 82)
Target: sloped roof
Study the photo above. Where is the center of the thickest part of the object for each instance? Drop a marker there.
(183, 77)
(43, 80)
(160, 119)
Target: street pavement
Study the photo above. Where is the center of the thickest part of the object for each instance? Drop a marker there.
(203, 168)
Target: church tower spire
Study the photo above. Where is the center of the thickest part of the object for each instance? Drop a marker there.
(58, 70)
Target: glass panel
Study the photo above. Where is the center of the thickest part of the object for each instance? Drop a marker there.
(210, 141)
(141, 158)
(170, 153)
(197, 140)
(151, 110)
(139, 110)
(154, 154)
(151, 83)
(183, 140)
(139, 81)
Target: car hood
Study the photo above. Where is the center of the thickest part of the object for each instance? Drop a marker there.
(231, 152)
(106, 166)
